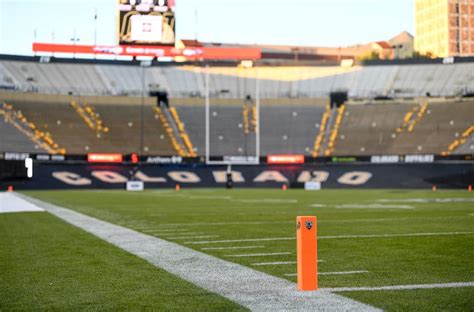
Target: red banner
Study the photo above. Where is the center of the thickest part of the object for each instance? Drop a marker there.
(104, 157)
(153, 51)
(285, 159)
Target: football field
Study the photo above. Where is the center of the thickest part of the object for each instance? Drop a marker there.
(392, 249)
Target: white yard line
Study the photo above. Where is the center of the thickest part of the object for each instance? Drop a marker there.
(196, 237)
(277, 263)
(273, 263)
(395, 235)
(180, 234)
(174, 226)
(154, 229)
(225, 223)
(259, 254)
(373, 206)
(428, 200)
(233, 247)
(402, 287)
(267, 200)
(252, 289)
(330, 237)
(242, 240)
(333, 273)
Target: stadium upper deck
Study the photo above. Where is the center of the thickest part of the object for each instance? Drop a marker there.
(78, 78)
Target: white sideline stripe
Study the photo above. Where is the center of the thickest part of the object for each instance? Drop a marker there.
(225, 248)
(197, 237)
(260, 254)
(10, 203)
(333, 273)
(277, 263)
(402, 287)
(331, 237)
(252, 289)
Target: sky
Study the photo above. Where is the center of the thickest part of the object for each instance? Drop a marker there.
(280, 22)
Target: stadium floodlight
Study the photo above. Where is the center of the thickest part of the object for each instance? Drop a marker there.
(231, 159)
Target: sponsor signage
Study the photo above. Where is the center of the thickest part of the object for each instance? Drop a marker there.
(385, 159)
(59, 175)
(285, 159)
(312, 186)
(164, 160)
(135, 186)
(16, 156)
(104, 158)
(428, 158)
(191, 53)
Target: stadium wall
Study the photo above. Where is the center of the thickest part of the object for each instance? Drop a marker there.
(114, 176)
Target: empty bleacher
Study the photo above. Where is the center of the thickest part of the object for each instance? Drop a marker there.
(236, 83)
(118, 125)
(370, 129)
(15, 141)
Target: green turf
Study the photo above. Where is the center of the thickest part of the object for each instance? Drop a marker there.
(241, 214)
(46, 264)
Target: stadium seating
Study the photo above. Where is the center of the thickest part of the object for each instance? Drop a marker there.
(232, 82)
(116, 128)
(13, 139)
(289, 128)
(382, 128)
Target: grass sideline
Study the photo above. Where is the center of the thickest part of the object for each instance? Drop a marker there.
(47, 264)
(192, 216)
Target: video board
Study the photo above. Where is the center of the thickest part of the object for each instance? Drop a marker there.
(146, 22)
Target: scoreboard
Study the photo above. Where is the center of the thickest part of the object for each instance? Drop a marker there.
(146, 22)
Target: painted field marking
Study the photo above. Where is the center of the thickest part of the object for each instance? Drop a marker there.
(255, 290)
(277, 263)
(267, 200)
(9, 203)
(373, 206)
(260, 254)
(331, 237)
(388, 219)
(395, 235)
(234, 247)
(182, 234)
(224, 223)
(242, 240)
(208, 197)
(190, 237)
(273, 263)
(428, 200)
(175, 225)
(402, 287)
(333, 273)
(154, 229)
(167, 233)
